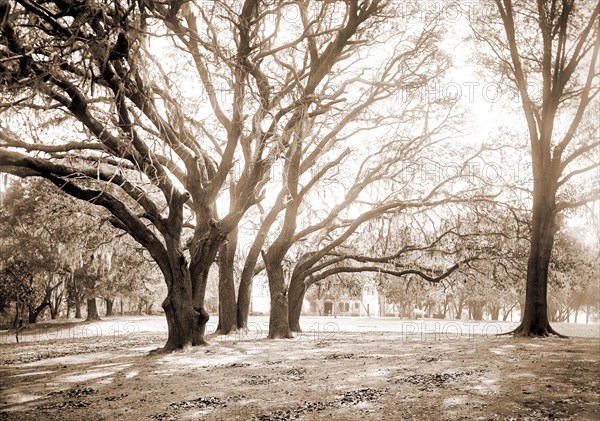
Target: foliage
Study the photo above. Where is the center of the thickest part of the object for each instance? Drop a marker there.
(46, 238)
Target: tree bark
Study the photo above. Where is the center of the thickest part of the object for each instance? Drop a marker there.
(295, 299)
(109, 306)
(535, 318)
(244, 300)
(494, 311)
(34, 313)
(55, 307)
(245, 288)
(458, 307)
(279, 325)
(186, 322)
(207, 240)
(56, 300)
(476, 310)
(92, 310)
(228, 316)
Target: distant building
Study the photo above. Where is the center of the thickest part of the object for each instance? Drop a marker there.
(371, 304)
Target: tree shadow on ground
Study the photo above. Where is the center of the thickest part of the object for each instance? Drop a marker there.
(346, 376)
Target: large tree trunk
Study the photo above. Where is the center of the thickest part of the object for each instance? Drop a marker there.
(186, 325)
(295, 300)
(109, 306)
(245, 288)
(244, 300)
(55, 306)
(476, 309)
(279, 326)
(458, 307)
(77, 301)
(244, 297)
(535, 318)
(56, 300)
(34, 312)
(227, 303)
(186, 322)
(92, 310)
(206, 242)
(494, 311)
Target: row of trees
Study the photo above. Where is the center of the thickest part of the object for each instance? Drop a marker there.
(492, 280)
(491, 284)
(259, 116)
(56, 256)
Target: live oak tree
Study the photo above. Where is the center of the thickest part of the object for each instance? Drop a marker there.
(370, 103)
(135, 137)
(66, 249)
(132, 276)
(330, 231)
(548, 50)
(314, 142)
(403, 254)
(16, 287)
(34, 241)
(573, 271)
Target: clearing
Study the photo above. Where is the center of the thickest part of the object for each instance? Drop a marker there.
(339, 369)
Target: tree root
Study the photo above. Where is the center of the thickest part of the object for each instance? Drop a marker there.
(520, 331)
(554, 332)
(169, 350)
(221, 332)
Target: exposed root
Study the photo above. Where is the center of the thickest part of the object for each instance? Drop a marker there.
(521, 331)
(554, 332)
(278, 336)
(221, 332)
(169, 349)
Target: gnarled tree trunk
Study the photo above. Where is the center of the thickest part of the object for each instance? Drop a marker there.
(92, 310)
(186, 323)
(109, 306)
(34, 312)
(245, 288)
(279, 325)
(295, 299)
(244, 299)
(227, 303)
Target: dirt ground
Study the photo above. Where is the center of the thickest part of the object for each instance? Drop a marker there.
(105, 372)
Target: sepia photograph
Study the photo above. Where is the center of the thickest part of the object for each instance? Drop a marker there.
(269, 210)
